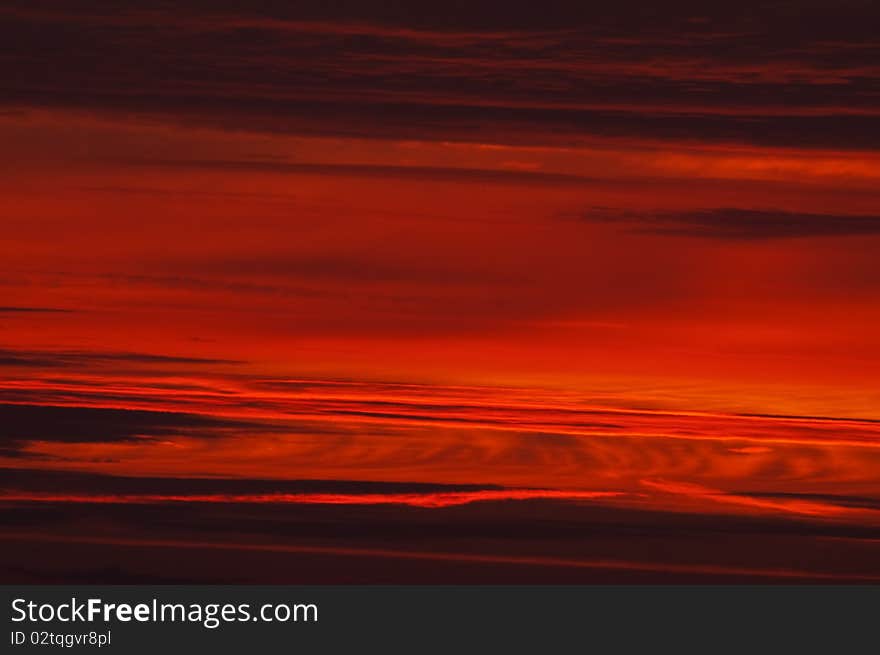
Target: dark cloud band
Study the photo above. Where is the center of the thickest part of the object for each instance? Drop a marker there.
(741, 224)
(767, 76)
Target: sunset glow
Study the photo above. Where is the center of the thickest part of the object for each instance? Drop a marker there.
(627, 270)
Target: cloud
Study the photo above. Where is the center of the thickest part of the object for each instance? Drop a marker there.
(427, 173)
(41, 481)
(807, 504)
(34, 310)
(26, 423)
(492, 73)
(741, 224)
(76, 358)
(832, 499)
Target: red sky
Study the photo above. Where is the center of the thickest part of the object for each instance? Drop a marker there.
(633, 261)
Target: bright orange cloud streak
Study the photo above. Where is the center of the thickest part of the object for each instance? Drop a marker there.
(447, 499)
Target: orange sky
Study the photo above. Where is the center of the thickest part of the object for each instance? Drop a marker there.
(666, 300)
(450, 262)
(445, 263)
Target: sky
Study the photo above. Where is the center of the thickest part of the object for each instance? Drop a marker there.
(596, 259)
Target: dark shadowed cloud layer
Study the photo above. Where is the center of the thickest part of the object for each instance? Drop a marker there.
(772, 73)
(85, 359)
(22, 423)
(736, 223)
(33, 310)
